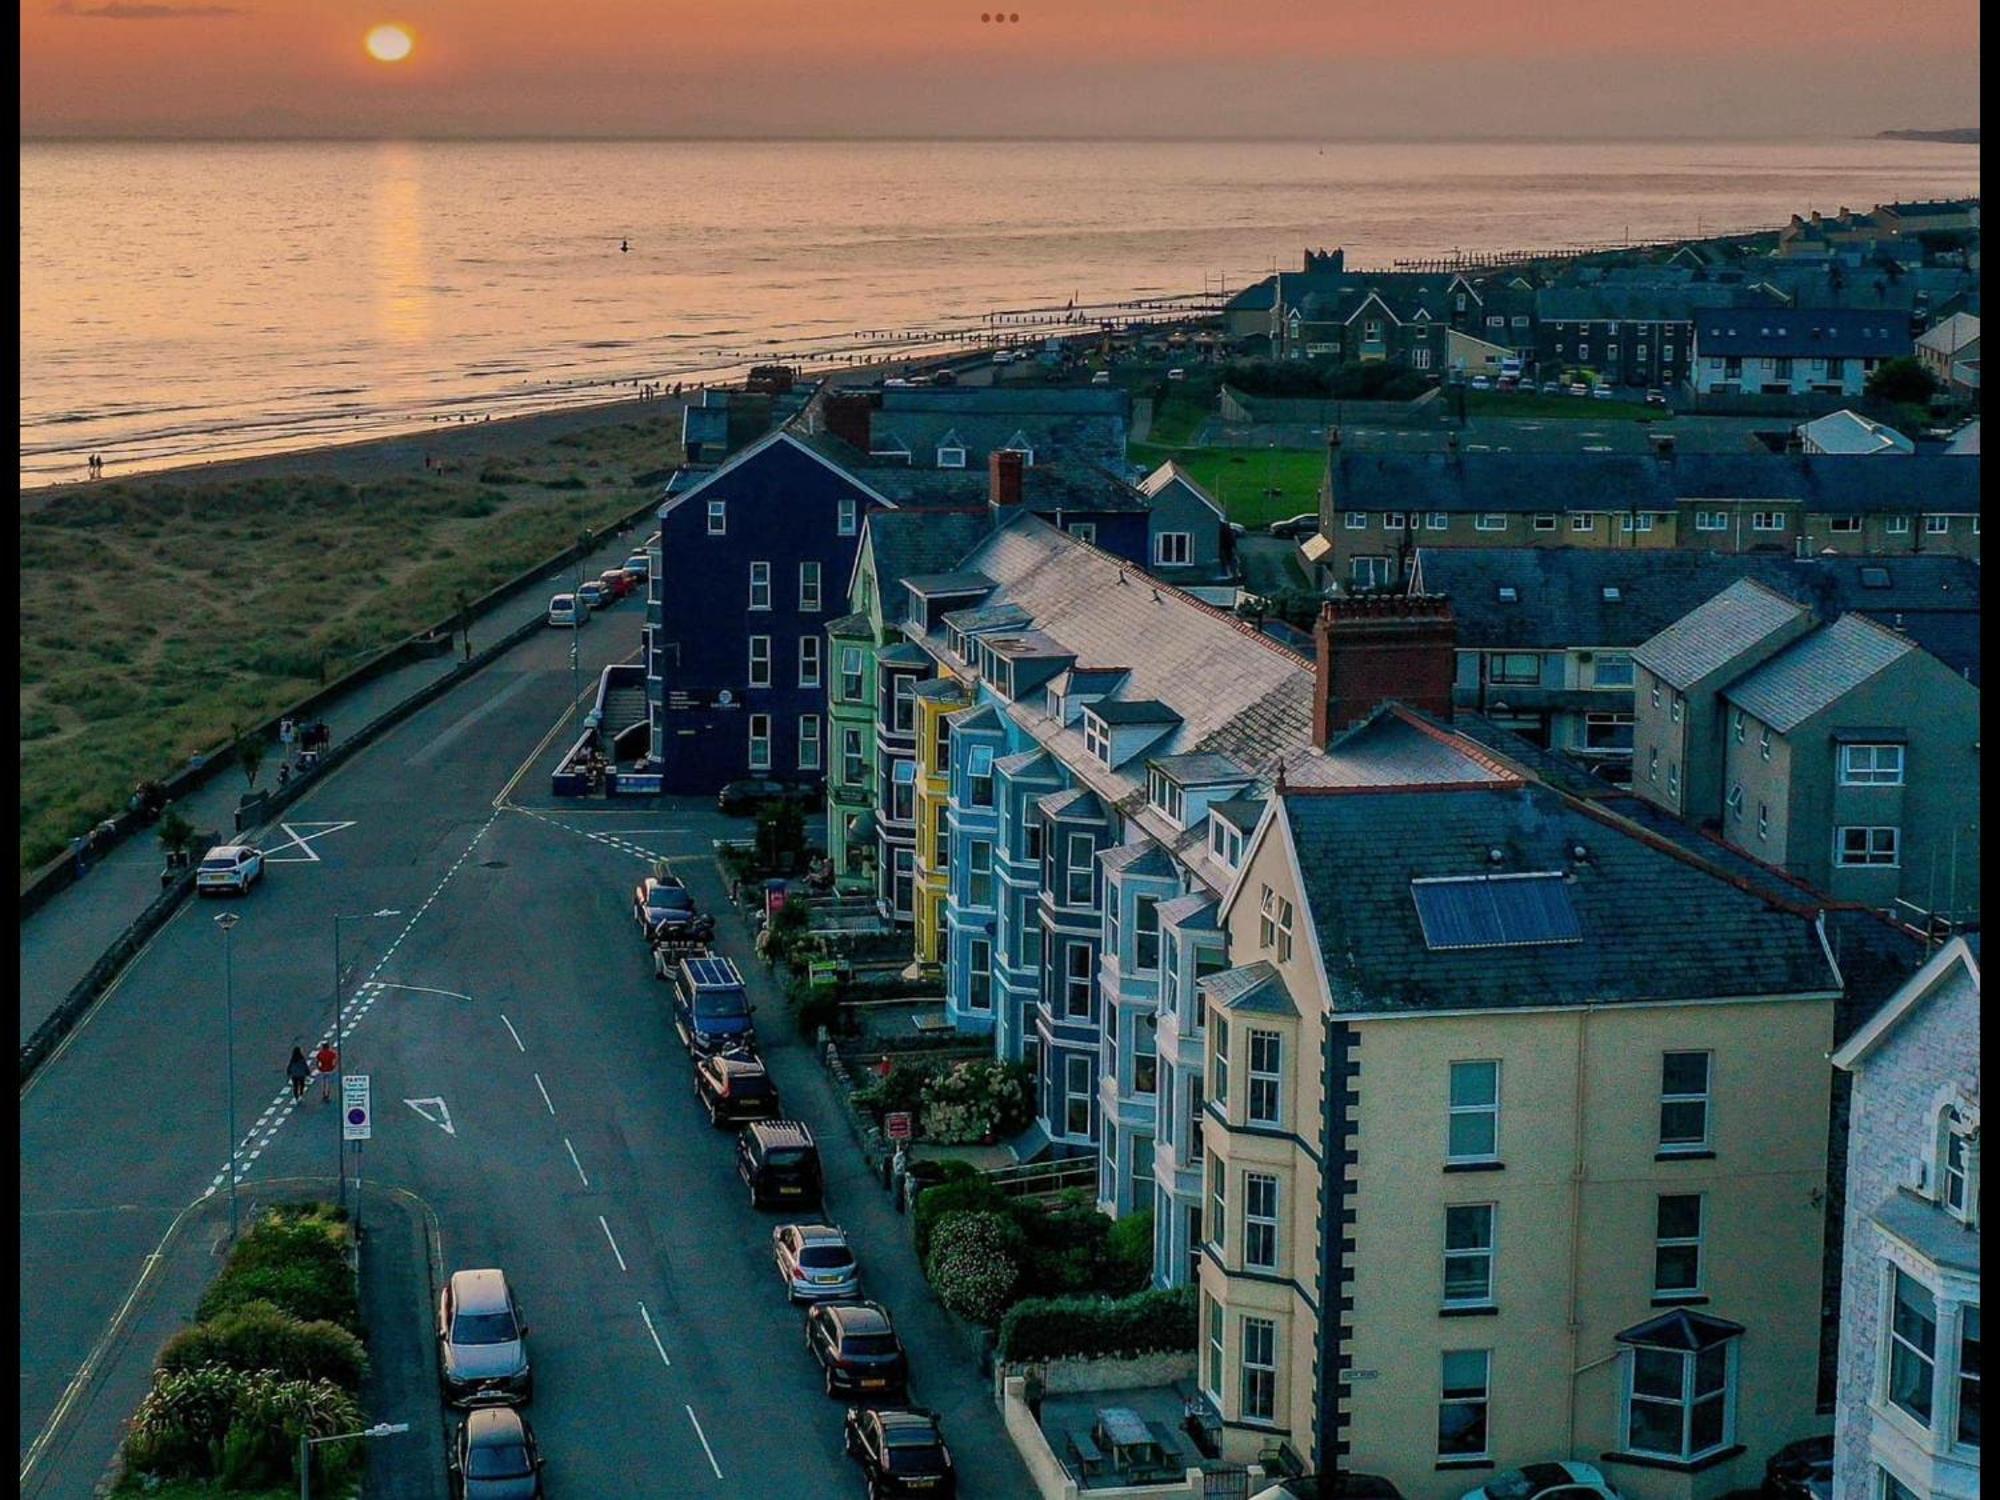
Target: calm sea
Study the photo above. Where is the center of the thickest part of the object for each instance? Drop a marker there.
(183, 302)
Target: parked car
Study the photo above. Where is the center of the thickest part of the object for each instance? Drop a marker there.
(900, 1452)
(814, 1261)
(1003, 356)
(1100, 377)
(639, 565)
(1481, 383)
(661, 905)
(779, 1159)
(483, 1341)
(1801, 1470)
(594, 594)
(496, 1457)
(617, 582)
(1600, 393)
(1563, 1479)
(753, 792)
(229, 867)
(711, 1008)
(1656, 397)
(1552, 388)
(1297, 527)
(1331, 1487)
(565, 611)
(1578, 388)
(735, 1086)
(857, 1348)
(1177, 373)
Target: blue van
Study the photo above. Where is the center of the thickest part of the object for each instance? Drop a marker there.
(711, 1007)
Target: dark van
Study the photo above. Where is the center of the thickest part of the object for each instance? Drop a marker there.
(779, 1162)
(711, 1007)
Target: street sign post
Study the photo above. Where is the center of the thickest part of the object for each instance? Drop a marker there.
(897, 1124)
(356, 1123)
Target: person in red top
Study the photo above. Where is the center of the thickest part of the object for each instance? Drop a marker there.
(327, 1062)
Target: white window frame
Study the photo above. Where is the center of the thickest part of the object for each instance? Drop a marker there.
(1480, 1396)
(979, 873)
(1764, 742)
(1212, 1367)
(1395, 520)
(1704, 1097)
(1896, 526)
(1096, 738)
(760, 586)
(809, 661)
(1173, 549)
(1072, 1094)
(853, 763)
(1545, 521)
(1355, 520)
(1218, 1073)
(1711, 520)
(1266, 1079)
(1674, 1242)
(1767, 520)
(760, 661)
(809, 742)
(759, 726)
(1075, 869)
(1453, 1110)
(1437, 520)
(1882, 765)
(1844, 525)
(1084, 531)
(1894, 1339)
(1480, 1255)
(1490, 520)
(1259, 1387)
(1937, 525)
(1618, 661)
(850, 674)
(951, 458)
(1260, 1221)
(718, 518)
(1583, 521)
(1872, 853)
(1684, 1403)
(809, 589)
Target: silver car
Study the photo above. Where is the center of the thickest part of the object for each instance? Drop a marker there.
(483, 1342)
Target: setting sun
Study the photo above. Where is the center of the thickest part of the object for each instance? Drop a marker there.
(388, 43)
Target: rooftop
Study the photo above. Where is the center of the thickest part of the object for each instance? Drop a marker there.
(1713, 634)
(1815, 671)
(1850, 332)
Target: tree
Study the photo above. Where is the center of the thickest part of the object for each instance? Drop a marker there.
(250, 750)
(1902, 380)
(176, 832)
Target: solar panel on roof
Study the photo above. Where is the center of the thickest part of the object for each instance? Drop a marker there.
(713, 973)
(1874, 578)
(1495, 911)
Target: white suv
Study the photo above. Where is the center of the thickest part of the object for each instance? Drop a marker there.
(229, 867)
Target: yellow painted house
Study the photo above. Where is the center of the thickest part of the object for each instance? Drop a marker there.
(936, 702)
(1515, 1133)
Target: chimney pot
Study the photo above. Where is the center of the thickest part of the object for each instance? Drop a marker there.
(1372, 649)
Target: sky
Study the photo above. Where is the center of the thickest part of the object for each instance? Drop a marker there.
(1330, 69)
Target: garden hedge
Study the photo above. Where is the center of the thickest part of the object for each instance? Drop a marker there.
(262, 1336)
(1045, 1328)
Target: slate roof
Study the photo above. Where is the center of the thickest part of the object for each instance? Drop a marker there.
(910, 543)
(941, 688)
(1629, 303)
(1834, 484)
(1196, 909)
(986, 617)
(1655, 925)
(1802, 332)
(1815, 671)
(855, 625)
(1142, 857)
(961, 582)
(1086, 423)
(1198, 770)
(1133, 711)
(1714, 634)
(1240, 813)
(1256, 297)
(1255, 987)
(1030, 764)
(1551, 767)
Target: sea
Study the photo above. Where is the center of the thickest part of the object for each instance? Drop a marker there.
(183, 302)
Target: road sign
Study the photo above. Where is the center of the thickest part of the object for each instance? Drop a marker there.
(356, 1122)
(897, 1123)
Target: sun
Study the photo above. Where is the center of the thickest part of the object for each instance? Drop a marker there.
(388, 43)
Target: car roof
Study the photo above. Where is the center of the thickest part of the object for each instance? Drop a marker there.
(490, 1426)
(480, 1291)
(780, 1133)
(229, 849)
(860, 1317)
(910, 1427)
(823, 1234)
(725, 1062)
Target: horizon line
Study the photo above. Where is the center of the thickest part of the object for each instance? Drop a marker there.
(789, 138)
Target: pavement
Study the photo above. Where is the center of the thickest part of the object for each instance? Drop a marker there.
(526, 1088)
(61, 940)
(1585, 432)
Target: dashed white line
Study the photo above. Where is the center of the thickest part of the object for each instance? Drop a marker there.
(545, 1094)
(586, 1182)
(511, 1031)
(704, 1441)
(656, 1336)
(614, 1244)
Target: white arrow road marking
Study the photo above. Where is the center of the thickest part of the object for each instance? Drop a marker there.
(441, 1119)
(302, 842)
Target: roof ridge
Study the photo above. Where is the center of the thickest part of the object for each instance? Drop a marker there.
(1464, 744)
(1598, 812)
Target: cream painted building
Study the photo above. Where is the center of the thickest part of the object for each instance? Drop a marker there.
(1515, 1136)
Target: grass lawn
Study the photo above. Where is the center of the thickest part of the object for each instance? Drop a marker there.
(156, 614)
(1239, 477)
(1560, 408)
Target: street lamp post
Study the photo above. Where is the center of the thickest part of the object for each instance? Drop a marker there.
(340, 1041)
(307, 1444)
(227, 922)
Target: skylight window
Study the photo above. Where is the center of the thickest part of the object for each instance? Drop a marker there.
(1875, 578)
(1495, 911)
(1612, 593)
(1509, 594)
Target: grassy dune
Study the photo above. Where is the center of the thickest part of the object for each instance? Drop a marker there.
(157, 612)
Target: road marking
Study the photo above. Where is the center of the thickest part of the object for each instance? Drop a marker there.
(422, 989)
(442, 1119)
(302, 842)
(500, 800)
(704, 1442)
(579, 1172)
(656, 1336)
(511, 1031)
(614, 1243)
(545, 1094)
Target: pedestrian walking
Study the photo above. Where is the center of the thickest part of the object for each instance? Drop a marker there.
(298, 1070)
(77, 847)
(326, 1062)
(284, 775)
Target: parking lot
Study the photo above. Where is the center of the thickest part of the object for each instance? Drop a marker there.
(526, 1086)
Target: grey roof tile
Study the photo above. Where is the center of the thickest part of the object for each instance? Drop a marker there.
(1256, 987)
(1715, 633)
(1816, 671)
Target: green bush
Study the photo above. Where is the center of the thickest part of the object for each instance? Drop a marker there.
(308, 1293)
(1128, 1253)
(817, 1005)
(974, 1263)
(1152, 1322)
(966, 1195)
(240, 1426)
(976, 1099)
(262, 1336)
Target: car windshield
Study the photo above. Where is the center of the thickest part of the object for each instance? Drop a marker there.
(916, 1458)
(826, 1256)
(483, 1328)
(501, 1461)
(670, 898)
(719, 1005)
(866, 1344)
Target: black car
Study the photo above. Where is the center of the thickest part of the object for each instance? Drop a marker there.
(1305, 524)
(662, 906)
(856, 1345)
(778, 1161)
(496, 1458)
(735, 1086)
(754, 792)
(1801, 1470)
(900, 1452)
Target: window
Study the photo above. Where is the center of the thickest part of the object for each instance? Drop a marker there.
(1031, 837)
(1892, 1488)
(760, 585)
(1260, 1221)
(1865, 846)
(1224, 842)
(1677, 1401)
(1583, 523)
(979, 974)
(850, 517)
(1763, 820)
(1260, 1369)
(903, 698)
(1677, 1246)
(979, 775)
(1146, 933)
(809, 587)
(1496, 320)
(1145, 1071)
(1937, 525)
(1096, 739)
(1667, 353)
(1472, 1131)
(1219, 1091)
(760, 661)
(1080, 873)
(1767, 520)
(940, 747)
(718, 517)
(1490, 521)
(1213, 1385)
(1871, 765)
(809, 661)
(1736, 725)
(1462, 1407)
(905, 864)
(760, 742)
(1514, 666)
(1368, 572)
(1437, 520)
(1642, 351)
(1356, 520)
(1673, 778)
(1166, 795)
(1267, 912)
(1602, 731)
(1218, 1194)
(808, 742)
(1076, 982)
(1957, 1195)
(1468, 1255)
(1173, 548)
(979, 864)
(1636, 520)
(1195, 1146)
(1545, 522)
(1684, 1096)
(903, 792)
(1394, 520)
(1266, 1051)
(1736, 802)
(853, 769)
(850, 674)
(1420, 358)
(1613, 669)
(1711, 520)
(1845, 524)
(1764, 744)
(1076, 1106)
(1676, 707)
(1912, 1345)
(1084, 531)
(951, 458)
(1583, 351)
(1194, 1243)
(1897, 525)
(1968, 1375)
(1652, 765)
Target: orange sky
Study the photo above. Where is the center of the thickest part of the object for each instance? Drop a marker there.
(1334, 68)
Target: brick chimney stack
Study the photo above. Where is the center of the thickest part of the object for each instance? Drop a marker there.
(849, 416)
(1003, 469)
(1373, 648)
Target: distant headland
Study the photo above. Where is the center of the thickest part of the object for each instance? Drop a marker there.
(1964, 136)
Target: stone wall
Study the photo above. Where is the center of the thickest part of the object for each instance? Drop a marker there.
(1052, 1480)
(1067, 1377)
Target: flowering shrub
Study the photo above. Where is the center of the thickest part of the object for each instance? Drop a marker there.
(195, 1423)
(976, 1099)
(974, 1265)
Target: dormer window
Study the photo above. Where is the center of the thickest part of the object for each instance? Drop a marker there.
(1167, 796)
(1224, 842)
(951, 458)
(1096, 739)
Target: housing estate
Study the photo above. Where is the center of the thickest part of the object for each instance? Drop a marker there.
(1793, 351)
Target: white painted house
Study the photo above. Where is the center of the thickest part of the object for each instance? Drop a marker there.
(1793, 351)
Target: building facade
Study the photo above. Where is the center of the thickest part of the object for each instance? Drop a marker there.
(1795, 351)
